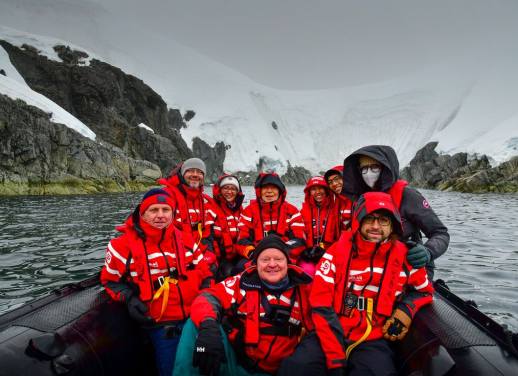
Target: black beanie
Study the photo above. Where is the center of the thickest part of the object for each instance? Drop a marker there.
(272, 241)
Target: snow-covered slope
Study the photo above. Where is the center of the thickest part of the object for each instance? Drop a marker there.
(467, 103)
(15, 87)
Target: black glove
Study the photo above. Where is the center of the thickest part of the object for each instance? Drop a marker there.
(313, 253)
(336, 372)
(136, 307)
(418, 255)
(209, 351)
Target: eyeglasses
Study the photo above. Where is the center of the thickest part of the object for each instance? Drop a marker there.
(382, 220)
(334, 180)
(373, 167)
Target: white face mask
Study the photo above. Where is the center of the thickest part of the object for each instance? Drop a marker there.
(370, 178)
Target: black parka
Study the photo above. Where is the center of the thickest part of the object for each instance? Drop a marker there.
(416, 213)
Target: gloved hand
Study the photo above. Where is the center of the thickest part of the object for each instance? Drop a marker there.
(418, 255)
(209, 351)
(313, 253)
(137, 309)
(249, 251)
(396, 327)
(336, 371)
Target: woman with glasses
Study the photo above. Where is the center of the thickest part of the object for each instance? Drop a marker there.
(375, 168)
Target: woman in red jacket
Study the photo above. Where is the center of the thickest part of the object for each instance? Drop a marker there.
(229, 198)
(151, 269)
(321, 222)
(364, 295)
(270, 213)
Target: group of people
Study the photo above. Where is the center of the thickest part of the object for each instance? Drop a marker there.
(271, 289)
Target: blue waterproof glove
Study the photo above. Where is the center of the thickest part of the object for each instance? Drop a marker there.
(418, 255)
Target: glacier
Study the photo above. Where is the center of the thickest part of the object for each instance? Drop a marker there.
(465, 102)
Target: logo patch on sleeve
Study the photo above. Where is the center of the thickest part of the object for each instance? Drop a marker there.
(426, 205)
(325, 267)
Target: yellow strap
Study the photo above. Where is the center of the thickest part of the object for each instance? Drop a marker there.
(370, 305)
(164, 289)
(200, 233)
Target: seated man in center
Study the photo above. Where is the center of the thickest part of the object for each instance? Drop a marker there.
(263, 311)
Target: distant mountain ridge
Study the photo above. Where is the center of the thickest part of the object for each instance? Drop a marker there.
(465, 102)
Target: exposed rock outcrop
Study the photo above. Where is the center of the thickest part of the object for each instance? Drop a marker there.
(460, 172)
(213, 157)
(38, 156)
(296, 175)
(111, 103)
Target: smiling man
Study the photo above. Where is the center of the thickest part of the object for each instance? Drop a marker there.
(196, 211)
(151, 269)
(265, 309)
(364, 295)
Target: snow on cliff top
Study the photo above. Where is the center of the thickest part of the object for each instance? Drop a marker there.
(465, 102)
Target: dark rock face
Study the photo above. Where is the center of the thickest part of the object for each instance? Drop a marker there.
(38, 157)
(69, 56)
(110, 102)
(296, 175)
(189, 114)
(460, 172)
(213, 158)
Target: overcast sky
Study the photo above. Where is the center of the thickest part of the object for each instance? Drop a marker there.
(320, 44)
(302, 44)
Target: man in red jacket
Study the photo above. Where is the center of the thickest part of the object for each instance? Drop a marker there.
(364, 295)
(195, 210)
(263, 310)
(335, 181)
(375, 168)
(151, 268)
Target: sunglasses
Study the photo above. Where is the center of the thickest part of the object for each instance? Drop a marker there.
(382, 220)
(373, 167)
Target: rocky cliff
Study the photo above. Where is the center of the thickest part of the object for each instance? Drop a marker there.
(114, 105)
(38, 156)
(460, 172)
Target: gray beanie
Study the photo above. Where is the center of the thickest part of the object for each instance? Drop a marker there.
(193, 163)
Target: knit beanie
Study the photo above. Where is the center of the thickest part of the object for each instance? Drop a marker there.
(193, 163)
(155, 196)
(230, 180)
(271, 241)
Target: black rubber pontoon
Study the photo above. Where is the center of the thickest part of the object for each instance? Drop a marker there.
(78, 330)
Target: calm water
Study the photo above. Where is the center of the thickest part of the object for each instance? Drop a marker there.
(46, 242)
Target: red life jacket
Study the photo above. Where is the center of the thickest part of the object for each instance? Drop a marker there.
(387, 293)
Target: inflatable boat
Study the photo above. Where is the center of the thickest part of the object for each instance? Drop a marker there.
(78, 330)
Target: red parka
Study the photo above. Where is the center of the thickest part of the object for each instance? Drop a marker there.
(280, 217)
(230, 214)
(321, 220)
(364, 269)
(247, 307)
(197, 212)
(143, 255)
